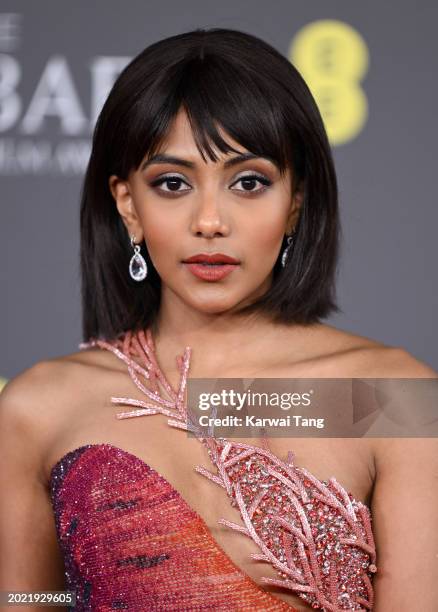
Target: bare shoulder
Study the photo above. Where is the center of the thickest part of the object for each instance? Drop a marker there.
(392, 362)
(23, 395)
(27, 403)
(359, 356)
(389, 362)
(46, 381)
(92, 357)
(38, 401)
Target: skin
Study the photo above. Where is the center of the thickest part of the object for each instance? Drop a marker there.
(213, 213)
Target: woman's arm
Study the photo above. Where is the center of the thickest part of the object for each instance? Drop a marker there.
(30, 558)
(405, 509)
(405, 515)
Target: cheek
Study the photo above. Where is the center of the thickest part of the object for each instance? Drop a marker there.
(161, 231)
(158, 235)
(161, 246)
(270, 235)
(265, 236)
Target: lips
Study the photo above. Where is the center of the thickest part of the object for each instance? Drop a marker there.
(211, 267)
(212, 259)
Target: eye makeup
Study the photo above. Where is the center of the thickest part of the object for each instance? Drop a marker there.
(174, 181)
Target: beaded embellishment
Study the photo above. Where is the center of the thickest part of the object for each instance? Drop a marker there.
(316, 536)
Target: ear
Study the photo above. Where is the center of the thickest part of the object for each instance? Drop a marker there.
(294, 211)
(121, 193)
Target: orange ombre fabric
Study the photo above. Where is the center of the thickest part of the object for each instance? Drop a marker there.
(131, 542)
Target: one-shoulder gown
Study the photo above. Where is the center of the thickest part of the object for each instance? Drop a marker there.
(131, 542)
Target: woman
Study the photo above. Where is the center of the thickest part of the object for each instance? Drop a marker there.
(209, 143)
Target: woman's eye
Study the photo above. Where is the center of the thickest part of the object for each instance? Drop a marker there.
(173, 183)
(249, 182)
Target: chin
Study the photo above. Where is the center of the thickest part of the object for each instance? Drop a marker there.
(213, 306)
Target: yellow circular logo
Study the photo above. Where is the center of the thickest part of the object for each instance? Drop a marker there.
(333, 59)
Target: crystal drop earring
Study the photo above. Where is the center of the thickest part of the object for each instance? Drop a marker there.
(290, 240)
(137, 266)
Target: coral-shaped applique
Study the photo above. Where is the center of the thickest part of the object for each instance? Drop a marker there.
(314, 533)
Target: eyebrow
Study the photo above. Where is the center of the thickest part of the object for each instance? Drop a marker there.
(162, 158)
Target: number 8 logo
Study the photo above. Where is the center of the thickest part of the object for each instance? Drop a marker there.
(333, 59)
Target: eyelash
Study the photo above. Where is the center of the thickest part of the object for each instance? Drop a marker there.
(247, 177)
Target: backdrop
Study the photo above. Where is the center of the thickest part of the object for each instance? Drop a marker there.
(372, 68)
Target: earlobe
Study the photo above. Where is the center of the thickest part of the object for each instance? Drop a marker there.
(123, 200)
(299, 196)
(294, 211)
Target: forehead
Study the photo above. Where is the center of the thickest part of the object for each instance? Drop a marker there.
(180, 139)
(179, 147)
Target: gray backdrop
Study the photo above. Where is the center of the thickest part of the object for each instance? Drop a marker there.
(58, 61)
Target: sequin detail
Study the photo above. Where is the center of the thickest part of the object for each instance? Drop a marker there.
(314, 533)
(156, 554)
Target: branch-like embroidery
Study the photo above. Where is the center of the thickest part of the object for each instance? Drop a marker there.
(314, 533)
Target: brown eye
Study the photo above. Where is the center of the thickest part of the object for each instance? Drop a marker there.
(249, 181)
(173, 183)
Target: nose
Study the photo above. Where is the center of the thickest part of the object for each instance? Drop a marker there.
(209, 218)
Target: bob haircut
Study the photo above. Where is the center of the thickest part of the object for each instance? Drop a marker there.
(234, 79)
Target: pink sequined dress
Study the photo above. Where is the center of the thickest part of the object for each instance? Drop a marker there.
(131, 542)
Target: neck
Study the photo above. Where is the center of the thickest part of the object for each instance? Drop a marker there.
(221, 341)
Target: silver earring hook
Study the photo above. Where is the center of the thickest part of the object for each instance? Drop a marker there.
(285, 253)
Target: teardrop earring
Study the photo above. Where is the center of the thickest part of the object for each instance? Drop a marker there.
(137, 266)
(290, 240)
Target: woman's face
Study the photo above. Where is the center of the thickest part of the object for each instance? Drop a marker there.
(182, 208)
